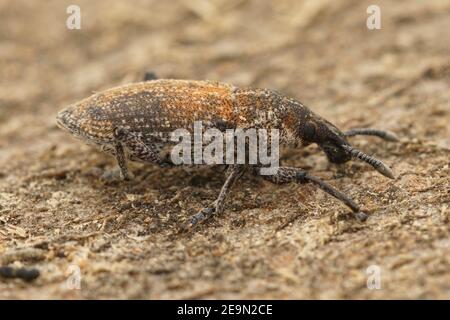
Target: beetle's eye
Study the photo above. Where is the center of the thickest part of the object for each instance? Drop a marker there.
(309, 131)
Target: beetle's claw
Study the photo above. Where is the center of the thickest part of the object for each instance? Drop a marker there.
(361, 216)
(198, 218)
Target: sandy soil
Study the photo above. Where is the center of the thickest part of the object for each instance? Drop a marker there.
(271, 242)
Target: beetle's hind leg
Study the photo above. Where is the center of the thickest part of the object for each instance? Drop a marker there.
(287, 174)
(233, 173)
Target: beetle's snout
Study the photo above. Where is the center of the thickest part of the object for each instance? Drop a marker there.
(335, 153)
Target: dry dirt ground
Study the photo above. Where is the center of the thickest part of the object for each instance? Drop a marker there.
(57, 215)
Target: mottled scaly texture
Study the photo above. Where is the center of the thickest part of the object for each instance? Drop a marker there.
(155, 108)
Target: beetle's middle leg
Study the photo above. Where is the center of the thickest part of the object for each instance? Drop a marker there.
(233, 173)
(288, 174)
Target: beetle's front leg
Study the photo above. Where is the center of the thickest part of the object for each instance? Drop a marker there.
(121, 161)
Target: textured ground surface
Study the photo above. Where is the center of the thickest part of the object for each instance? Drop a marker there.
(272, 242)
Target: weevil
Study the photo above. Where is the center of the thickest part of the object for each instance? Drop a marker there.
(134, 122)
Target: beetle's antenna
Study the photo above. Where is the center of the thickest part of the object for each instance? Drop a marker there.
(386, 135)
(377, 164)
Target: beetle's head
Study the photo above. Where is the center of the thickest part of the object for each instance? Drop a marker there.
(333, 142)
(330, 139)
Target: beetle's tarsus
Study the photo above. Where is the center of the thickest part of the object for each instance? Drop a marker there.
(360, 216)
(234, 172)
(198, 218)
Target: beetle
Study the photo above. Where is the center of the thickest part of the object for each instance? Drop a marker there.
(134, 122)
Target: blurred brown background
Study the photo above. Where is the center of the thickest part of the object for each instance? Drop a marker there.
(271, 242)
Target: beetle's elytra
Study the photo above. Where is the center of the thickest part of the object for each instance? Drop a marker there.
(134, 122)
